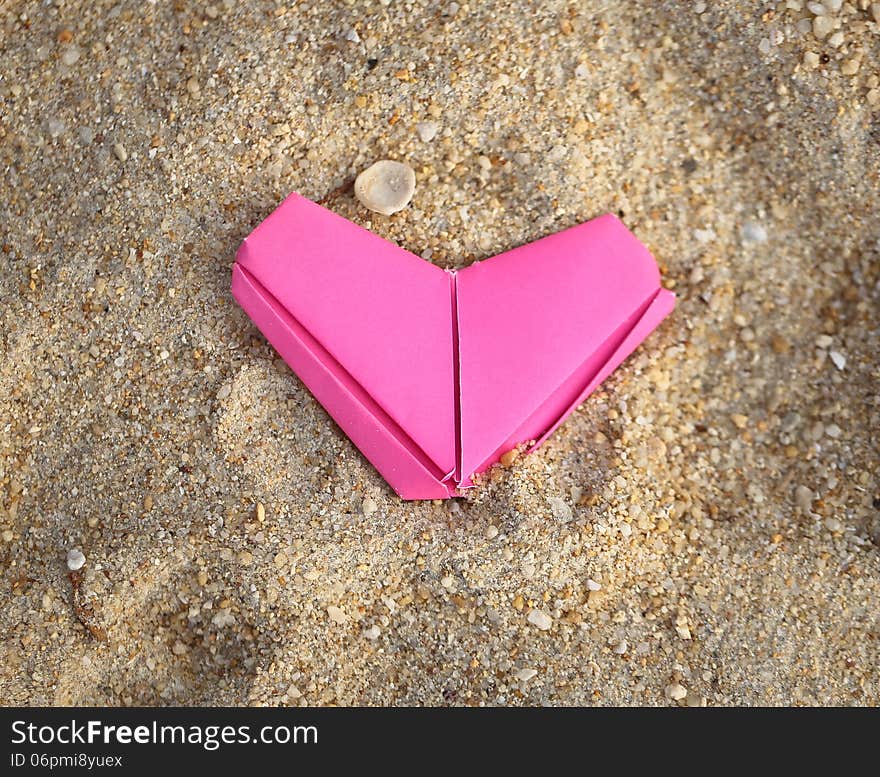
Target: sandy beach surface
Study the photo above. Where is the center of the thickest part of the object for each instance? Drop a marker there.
(703, 531)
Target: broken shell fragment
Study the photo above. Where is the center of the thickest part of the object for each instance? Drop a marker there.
(386, 186)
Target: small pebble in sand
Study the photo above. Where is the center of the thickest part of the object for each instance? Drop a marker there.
(70, 55)
(740, 421)
(620, 648)
(836, 40)
(540, 619)
(508, 458)
(337, 614)
(675, 691)
(373, 632)
(524, 675)
(368, 506)
(121, 153)
(850, 66)
(245, 558)
(822, 25)
(803, 498)
(838, 358)
(592, 585)
(386, 186)
(352, 36)
(491, 532)
(55, 127)
(75, 559)
(560, 508)
(753, 232)
(427, 130)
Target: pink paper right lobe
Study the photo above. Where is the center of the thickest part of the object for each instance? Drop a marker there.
(541, 325)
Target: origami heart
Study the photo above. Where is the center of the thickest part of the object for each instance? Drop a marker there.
(435, 374)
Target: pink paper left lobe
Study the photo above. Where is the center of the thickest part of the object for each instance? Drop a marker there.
(368, 328)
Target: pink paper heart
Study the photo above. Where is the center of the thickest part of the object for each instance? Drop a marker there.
(435, 374)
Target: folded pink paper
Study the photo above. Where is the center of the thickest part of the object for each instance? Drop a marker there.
(435, 374)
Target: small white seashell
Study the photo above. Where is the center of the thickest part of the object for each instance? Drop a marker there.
(386, 186)
(75, 559)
